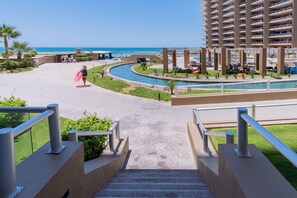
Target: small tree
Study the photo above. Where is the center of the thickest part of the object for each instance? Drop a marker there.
(171, 85)
(102, 72)
(20, 48)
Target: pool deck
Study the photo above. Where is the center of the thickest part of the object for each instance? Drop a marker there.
(157, 131)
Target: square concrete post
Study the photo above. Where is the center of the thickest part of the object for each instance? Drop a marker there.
(242, 58)
(281, 60)
(173, 57)
(220, 58)
(228, 58)
(209, 56)
(186, 57)
(262, 61)
(216, 61)
(223, 61)
(203, 60)
(256, 60)
(165, 60)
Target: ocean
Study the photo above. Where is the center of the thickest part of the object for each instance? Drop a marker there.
(116, 51)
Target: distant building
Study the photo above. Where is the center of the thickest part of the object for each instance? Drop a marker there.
(250, 23)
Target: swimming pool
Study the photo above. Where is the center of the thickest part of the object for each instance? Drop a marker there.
(125, 72)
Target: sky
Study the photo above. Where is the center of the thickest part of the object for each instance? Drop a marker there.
(105, 23)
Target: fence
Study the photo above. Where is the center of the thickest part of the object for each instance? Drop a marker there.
(8, 186)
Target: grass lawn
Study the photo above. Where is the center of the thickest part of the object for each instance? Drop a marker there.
(122, 86)
(40, 135)
(285, 133)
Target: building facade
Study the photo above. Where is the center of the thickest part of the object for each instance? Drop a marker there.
(250, 23)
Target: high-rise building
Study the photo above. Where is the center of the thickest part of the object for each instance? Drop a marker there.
(250, 23)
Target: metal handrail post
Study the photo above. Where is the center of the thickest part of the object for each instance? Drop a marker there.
(242, 150)
(254, 111)
(72, 135)
(205, 143)
(111, 143)
(229, 137)
(7, 166)
(118, 136)
(194, 116)
(54, 130)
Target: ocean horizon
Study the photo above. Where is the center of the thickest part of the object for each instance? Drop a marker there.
(117, 51)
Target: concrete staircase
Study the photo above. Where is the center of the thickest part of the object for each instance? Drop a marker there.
(156, 183)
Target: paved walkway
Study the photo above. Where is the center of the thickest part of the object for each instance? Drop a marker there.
(157, 131)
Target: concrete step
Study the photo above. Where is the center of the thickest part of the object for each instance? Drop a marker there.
(155, 193)
(157, 186)
(153, 179)
(156, 183)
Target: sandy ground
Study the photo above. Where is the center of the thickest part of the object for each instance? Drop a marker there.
(157, 131)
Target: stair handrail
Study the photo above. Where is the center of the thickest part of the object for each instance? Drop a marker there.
(8, 186)
(113, 131)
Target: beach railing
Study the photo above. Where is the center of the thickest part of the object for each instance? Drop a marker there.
(113, 131)
(205, 133)
(8, 186)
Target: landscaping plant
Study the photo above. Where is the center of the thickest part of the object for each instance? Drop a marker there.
(11, 120)
(93, 145)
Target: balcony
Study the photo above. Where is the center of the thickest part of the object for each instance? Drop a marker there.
(229, 32)
(242, 4)
(255, 36)
(213, 11)
(215, 5)
(281, 42)
(228, 14)
(215, 22)
(242, 11)
(228, 38)
(257, 22)
(257, 29)
(242, 30)
(215, 27)
(282, 11)
(281, 19)
(258, 15)
(242, 18)
(257, 2)
(257, 43)
(228, 20)
(228, 2)
(280, 4)
(258, 8)
(215, 16)
(281, 27)
(231, 25)
(228, 8)
(281, 35)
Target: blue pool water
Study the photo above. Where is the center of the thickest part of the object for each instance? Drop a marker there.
(125, 72)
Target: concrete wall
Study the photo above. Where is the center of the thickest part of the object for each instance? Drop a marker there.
(46, 175)
(233, 97)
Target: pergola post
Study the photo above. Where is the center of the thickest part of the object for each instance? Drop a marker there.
(215, 60)
(165, 60)
(262, 61)
(223, 61)
(186, 57)
(203, 60)
(242, 58)
(228, 58)
(256, 60)
(281, 60)
(209, 56)
(220, 58)
(173, 52)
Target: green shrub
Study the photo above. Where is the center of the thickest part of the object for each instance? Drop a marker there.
(11, 120)
(93, 145)
(29, 68)
(25, 64)
(90, 58)
(80, 59)
(82, 55)
(12, 65)
(27, 55)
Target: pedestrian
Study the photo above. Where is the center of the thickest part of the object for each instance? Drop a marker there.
(84, 74)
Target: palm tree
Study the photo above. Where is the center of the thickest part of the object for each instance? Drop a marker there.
(20, 48)
(8, 32)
